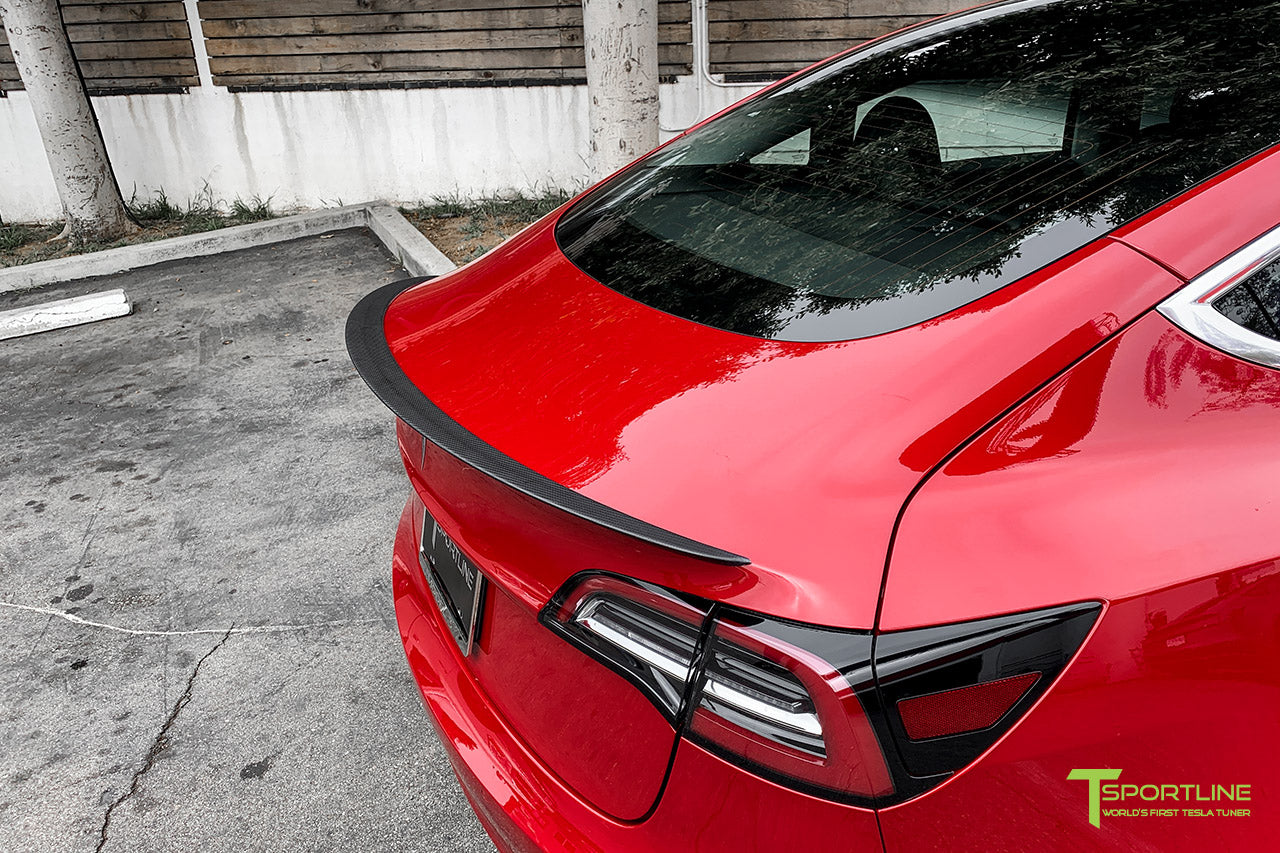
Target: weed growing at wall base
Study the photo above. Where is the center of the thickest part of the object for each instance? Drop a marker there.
(158, 215)
(465, 229)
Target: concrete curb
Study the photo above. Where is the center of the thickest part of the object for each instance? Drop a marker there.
(416, 253)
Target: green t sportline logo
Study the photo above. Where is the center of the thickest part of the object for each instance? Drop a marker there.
(1151, 800)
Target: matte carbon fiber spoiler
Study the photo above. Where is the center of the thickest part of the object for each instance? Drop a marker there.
(371, 355)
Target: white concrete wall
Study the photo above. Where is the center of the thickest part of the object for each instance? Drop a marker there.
(313, 149)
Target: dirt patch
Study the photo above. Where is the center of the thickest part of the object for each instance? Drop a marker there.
(158, 218)
(464, 239)
(27, 244)
(462, 230)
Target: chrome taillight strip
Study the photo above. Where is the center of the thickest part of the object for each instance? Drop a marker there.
(1191, 308)
(796, 721)
(640, 651)
(593, 618)
(598, 624)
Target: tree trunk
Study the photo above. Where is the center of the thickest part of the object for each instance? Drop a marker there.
(621, 40)
(90, 198)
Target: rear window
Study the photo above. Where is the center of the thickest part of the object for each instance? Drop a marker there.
(904, 181)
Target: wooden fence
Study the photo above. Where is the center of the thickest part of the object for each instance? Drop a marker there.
(136, 46)
(145, 45)
(765, 39)
(8, 72)
(305, 43)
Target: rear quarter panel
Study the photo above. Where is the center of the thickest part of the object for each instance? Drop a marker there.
(1146, 476)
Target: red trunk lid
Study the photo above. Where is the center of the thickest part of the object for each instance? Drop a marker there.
(796, 455)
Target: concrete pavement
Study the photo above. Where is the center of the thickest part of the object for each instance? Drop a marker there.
(197, 648)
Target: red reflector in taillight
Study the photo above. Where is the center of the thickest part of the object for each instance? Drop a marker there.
(966, 709)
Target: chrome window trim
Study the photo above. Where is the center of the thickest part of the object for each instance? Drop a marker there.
(1191, 308)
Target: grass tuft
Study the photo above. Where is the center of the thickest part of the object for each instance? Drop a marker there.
(510, 207)
(20, 242)
(159, 216)
(484, 222)
(255, 209)
(156, 209)
(16, 236)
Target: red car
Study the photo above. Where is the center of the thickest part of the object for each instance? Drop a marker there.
(890, 463)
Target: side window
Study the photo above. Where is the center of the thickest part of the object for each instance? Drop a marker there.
(1156, 108)
(789, 152)
(1255, 302)
(982, 119)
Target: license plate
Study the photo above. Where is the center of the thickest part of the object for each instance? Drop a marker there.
(455, 582)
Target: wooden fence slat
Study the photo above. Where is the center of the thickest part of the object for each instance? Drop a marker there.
(138, 50)
(240, 10)
(108, 85)
(350, 25)
(797, 54)
(795, 10)
(152, 31)
(413, 22)
(117, 2)
(381, 78)
(122, 13)
(137, 70)
(395, 42)
(223, 9)
(763, 70)
(815, 29)
(515, 59)
(390, 43)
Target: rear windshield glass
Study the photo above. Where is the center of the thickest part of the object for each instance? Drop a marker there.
(909, 179)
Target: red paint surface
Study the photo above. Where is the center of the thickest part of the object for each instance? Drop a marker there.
(1177, 686)
(709, 805)
(600, 735)
(798, 456)
(1147, 475)
(1204, 225)
(1153, 462)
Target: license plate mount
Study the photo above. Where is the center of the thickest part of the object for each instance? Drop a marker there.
(456, 584)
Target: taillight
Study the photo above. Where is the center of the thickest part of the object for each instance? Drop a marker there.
(781, 700)
(848, 715)
(951, 691)
(646, 634)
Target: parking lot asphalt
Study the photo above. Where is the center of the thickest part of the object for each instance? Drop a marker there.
(197, 644)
